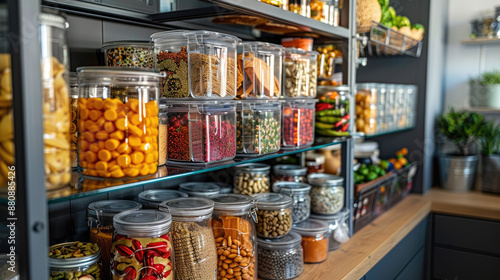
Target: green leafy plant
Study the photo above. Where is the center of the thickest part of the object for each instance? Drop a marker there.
(490, 138)
(463, 128)
(488, 78)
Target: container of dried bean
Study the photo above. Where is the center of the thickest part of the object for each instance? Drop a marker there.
(315, 235)
(198, 64)
(327, 193)
(117, 121)
(280, 258)
(134, 54)
(141, 246)
(339, 230)
(298, 123)
(258, 127)
(289, 173)
(162, 132)
(152, 199)
(233, 224)
(261, 66)
(300, 73)
(201, 132)
(301, 200)
(193, 239)
(274, 214)
(200, 189)
(75, 260)
(252, 178)
(100, 220)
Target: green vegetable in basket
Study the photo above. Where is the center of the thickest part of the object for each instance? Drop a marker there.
(371, 176)
(418, 26)
(384, 4)
(402, 21)
(358, 178)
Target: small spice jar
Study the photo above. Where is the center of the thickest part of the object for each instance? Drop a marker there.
(289, 173)
(134, 54)
(100, 219)
(233, 224)
(315, 163)
(162, 132)
(315, 237)
(200, 189)
(301, 207)
(274, 214)
(141, 245)
(327, 193)
(193, 239)
(280, 258)
(152, 199)
(339, 231)
(252, 178)
(66, 263)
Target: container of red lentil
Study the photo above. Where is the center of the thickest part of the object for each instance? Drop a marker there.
(201, 132)
(134, 54)
(298, 123)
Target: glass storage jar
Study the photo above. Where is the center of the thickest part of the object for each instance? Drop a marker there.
(73, 130)
(366, 108)
(258, 127)
(134, 54)
(142, 246)
(301, 200)
(100, 220)
(338, 228)
(87, 263)
(55, 100)
(301, 7)
(201, 131)
(198, 64)
(280, 258)
(298, 123)
(315, 237)
(300, 73)
(274, 214)
(332, 111)
(193, 239)
(261, 66)
(315, 163)
(200, 189)
(152, 199)
(289, 173)
(252, 178)
(234, 229)
(162, 132)
(327, 193)
(117, 121)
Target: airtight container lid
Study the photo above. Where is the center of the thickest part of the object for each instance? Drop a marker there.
(200, 189)
(189, 207)
(253, 167)
(289, 170)
(311, 227)
(53, 20)
(117, 72)
(105, 210)
(291, 240)
(132, 44)
(301, 52)
(142, 223)
(339, 89)
(272, 201)
(225, 188)
(153, 198)
(256, 104)
(73, 262)
(232, 202)
(291, 188)
(199, 37)
(334, 220)
(325, 180)
(256, 46)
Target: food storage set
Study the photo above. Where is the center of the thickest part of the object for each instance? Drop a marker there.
(298, 117)
(332, 118)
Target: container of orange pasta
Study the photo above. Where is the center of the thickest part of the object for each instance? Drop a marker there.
(315, 237)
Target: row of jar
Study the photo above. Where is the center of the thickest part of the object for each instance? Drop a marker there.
(327, 11)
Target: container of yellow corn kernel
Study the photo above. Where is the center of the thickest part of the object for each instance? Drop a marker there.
(117, 121)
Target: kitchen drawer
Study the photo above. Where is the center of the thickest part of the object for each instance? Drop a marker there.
(458, 265)
(415, 269)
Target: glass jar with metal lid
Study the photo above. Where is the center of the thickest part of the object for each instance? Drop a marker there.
(152, 199)
(252, 178)
(280, 258)
(233, 223)
(100, 220)
(274, 214)
(315, 235)
(327, 193)
(192, 237)
(200, 189)
(299, 192)
(141, 245)
(66, 262)
(339, 231)
(289, 172)
(134, 54)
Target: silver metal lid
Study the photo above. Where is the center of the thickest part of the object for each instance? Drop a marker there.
(200, 189)
(272, 201)
(311, 227)
(111, 71)
(189, 207)
(73, 262)
(290, 188)
(156, 197)
(225, 188)
(52, 20)
(142, 223)
(289, 170)
(291, 240)
(109, 208)
(253, 167)
(325, 180)
(233, 202)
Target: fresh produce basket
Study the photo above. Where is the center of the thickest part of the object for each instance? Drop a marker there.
(387, 41)
(403, 183)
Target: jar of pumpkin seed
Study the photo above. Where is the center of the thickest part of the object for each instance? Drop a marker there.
(72, 260)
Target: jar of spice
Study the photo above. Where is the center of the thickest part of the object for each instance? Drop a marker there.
(134, 54)
(234, 229)
(280, 258)
(193, 239)
(289, 173)
(162, 132)
(252, 178)
(301, 201)
(152, 199)
(327, 193)
(274, 214)
(315, 237)
(300, 73)
(200, 189)
(298, 123)
(339, 231)
(66, 263)
(315, 163)
(142, 246)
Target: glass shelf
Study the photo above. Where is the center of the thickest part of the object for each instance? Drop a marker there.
(388, 132)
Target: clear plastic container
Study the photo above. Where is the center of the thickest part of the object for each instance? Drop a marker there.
(332, 111)
(233, 223)
(198, 64)
(315, 235)
(280, 258)
(261, 66)
(252, 178)
(301, 200)
(193, 239)
(152, 199)
(134, 54)
(366, 108)
(298, 123)
(142, 245)
(258, 127)
(274, 214)
(75, 267)
(338, 228)
(326, 60)
(326, 11)
(304, 43)
(300, 73)
(162, 132)
(200, 189)
(301, 7)
(73, 130)
(117, 121)
(201, 131)
(289, 172)
(327, 193)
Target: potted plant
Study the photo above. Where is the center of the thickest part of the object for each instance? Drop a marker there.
(485, 90)
(458, 170)
(490, 148)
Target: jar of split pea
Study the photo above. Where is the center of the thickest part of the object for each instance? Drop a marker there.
(117, 121)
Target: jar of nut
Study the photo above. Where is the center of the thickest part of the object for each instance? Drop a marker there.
(73, 260)
(301, 207)
(252, 178)
(274, 214)
(289, 173)
(280, 258)
(233, 224)
(327, 193)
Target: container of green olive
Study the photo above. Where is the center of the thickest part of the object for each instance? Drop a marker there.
(75, 261)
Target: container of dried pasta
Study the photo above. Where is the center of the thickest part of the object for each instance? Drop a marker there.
(198, 64)
(300, 73)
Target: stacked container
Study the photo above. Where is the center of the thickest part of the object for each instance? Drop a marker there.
(332, 111)
(297, 123)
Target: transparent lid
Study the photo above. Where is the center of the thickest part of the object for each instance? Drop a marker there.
(289, 170)
(325, 180)
(272, 201)
(198, 37)
(290, 188)
(116, 72)
(340, 89)
(155, 197)
(253, 167)
(333, 219)
(204, 189)
(132, 44)
(109, 208)
(73, 262)
(291, 240)
(261, 105)
(311, 227)
(189, 207)
(311, 54)
(232, 202)
(142, 223)
(53, 20)
(253, 46)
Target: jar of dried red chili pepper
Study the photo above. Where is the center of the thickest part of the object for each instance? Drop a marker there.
(141, 246)
(298, 123)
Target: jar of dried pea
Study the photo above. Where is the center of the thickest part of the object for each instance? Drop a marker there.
(117, 121)
(74, 260)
